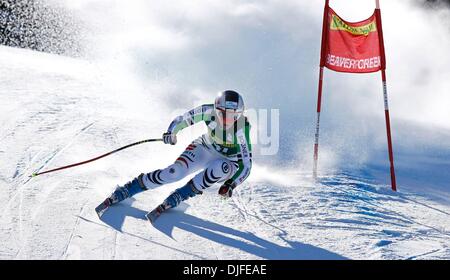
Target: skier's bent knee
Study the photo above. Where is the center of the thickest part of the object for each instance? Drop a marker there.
(175, 172)
(170, 174)
(218, 171)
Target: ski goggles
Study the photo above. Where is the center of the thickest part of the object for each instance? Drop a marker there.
(228, 115)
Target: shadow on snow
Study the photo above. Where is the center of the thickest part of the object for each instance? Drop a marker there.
(245, 241)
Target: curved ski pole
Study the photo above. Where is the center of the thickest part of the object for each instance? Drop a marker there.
(96, 158)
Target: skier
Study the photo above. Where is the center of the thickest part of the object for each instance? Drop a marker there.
(224, 155)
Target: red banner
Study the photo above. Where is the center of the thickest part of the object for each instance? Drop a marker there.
(352, 47)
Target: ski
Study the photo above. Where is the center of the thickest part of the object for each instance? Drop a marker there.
(101, 209)
(154, 214)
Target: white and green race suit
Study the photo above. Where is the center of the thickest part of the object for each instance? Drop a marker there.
(223, 155)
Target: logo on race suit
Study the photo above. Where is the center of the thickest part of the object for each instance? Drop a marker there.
(243, 146)
(197, 111)
(225, 167)
(190, 153)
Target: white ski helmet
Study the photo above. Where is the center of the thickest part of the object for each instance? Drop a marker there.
(229, 107)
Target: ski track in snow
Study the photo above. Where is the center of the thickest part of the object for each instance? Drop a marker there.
(72, 234)
(47, 161)
(66, 118)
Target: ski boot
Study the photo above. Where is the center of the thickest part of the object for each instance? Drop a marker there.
(155, 213)
(173, 200)
(121, 193)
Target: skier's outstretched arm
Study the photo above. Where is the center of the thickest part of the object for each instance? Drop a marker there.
(200, 113)
(244, 162)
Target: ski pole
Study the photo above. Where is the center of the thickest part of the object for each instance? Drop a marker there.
(96, 158)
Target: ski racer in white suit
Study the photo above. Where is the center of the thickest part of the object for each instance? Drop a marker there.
(224, 154)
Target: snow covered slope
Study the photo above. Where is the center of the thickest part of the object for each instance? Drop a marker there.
(57, 110)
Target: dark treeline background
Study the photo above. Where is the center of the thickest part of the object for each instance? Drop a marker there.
(39, 25)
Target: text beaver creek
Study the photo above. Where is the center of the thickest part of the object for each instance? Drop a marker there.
(235, 270)
(361, 64)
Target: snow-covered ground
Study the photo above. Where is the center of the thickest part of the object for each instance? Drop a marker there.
(147, 61)
(57, 110)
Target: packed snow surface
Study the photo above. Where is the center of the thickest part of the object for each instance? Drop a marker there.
(57, 110)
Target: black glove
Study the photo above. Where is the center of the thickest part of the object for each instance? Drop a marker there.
(169, 138)
(226, 190)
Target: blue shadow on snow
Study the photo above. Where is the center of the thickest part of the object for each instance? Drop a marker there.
(245, 241)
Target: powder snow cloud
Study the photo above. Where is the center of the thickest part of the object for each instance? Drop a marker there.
(269, 51)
